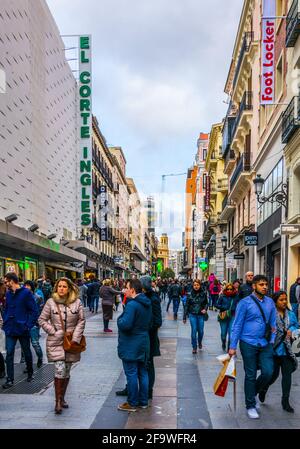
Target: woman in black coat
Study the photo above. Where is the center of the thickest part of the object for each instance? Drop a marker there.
(156, 323)
(196, 308)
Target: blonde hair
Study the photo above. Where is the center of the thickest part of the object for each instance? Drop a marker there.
(228, 284)
(107, 282)
(73, 292)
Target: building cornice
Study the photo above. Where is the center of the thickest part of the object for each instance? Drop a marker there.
(102, 140)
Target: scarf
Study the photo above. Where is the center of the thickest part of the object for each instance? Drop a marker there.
(282, 325)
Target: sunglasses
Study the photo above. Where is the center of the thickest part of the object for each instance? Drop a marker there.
(229, 289)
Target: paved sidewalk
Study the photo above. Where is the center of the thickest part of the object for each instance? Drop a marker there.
(183, 395)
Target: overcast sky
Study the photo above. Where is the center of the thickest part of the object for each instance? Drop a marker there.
(159, 71)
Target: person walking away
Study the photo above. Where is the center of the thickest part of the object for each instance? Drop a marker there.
(93, 294)
(82, 291)
(35, 330)
(254, 327)
(47, 289)
(214, 291)
(164, 289)
(107, 294)
(246, 289)
(284, 357)
(65, 304)
(19, 317)
(134, 345)
(2, 362)
(175, 295)
(169, 297)
(153, 332)
(196, 309)
(295, 296)
(226, 305)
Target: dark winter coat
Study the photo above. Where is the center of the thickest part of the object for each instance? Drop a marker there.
(20, 313)
(174, 291)
(293, 298)
(245, 290)
(93, 289)
(108, 295)
(196, 301)
(227, 302)
(155, 323)
(134, 325)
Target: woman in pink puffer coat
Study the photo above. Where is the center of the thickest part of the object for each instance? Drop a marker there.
(65, 296)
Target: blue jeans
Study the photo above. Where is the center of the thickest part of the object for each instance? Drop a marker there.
(176, 302)
(295, 307)
(226, 326)
(197, 325)
(10, 353)
(94, 304)
(137, 382)
(255, 358)
(35, 337)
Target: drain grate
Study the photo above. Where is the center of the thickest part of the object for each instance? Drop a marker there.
(42, 378)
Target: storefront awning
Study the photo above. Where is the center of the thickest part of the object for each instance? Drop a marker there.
(20, 239)
(82, 246)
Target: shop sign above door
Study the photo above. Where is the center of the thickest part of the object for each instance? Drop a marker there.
(290, 229)
(251, 238)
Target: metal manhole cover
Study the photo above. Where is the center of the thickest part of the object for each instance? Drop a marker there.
(42, 377)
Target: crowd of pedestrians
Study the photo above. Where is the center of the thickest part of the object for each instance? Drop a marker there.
(261, 323)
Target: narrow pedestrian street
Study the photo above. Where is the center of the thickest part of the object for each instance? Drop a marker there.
(183, 394)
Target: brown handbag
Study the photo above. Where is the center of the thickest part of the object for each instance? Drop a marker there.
(69, 345)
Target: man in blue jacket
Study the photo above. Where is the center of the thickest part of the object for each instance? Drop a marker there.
(250, 329)
(19, 316)
(134, 345)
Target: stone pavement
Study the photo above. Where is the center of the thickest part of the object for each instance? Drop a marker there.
(183, 395)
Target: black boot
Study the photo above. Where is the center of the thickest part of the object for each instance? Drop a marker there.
(286, 405)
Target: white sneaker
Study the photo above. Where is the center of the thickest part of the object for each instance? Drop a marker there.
(252, 413)
(257, 406)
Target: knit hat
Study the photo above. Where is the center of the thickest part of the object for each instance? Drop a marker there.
(146, 282)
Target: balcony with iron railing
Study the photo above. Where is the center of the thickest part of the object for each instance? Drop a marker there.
(247, 40)
(229, 161)
(290, 120)
(228, 208)
(292, 24)
(227, 133)
(243, 166)
(245, 107)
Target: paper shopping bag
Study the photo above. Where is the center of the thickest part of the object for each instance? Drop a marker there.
(231, 368)
(222, 387)
(221, 382)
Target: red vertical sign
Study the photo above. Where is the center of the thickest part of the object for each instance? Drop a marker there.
(268, 52)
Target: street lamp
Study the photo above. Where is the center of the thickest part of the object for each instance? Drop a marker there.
(279, 196)
(224, 246)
